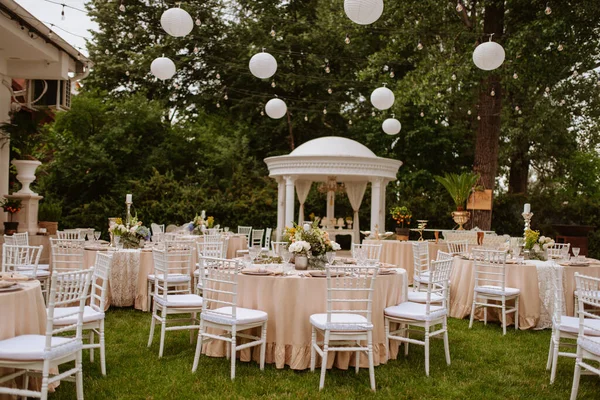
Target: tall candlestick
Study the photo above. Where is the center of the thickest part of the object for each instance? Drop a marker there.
(128, 198)
(128, 203)
(527, 208)
(527, 217)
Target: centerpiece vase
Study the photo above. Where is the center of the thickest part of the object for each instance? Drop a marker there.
(317, 261)
(461, 218)
(301, 262)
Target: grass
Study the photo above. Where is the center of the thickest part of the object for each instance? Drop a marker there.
(485, 365)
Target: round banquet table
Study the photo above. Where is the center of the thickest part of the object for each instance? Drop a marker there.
(521, 276)
(22, 312)
(289, 301)
(400, 253)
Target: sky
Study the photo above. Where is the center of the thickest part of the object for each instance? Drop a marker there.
(75, 21)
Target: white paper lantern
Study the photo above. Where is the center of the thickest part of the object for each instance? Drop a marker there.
(382, 98)
(488, 56)
(363, 12)
(163, 68)
(275, 108)
(263, 65)
(391, 126)
(177, 22)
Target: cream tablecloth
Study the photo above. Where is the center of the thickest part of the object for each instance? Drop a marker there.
(22, 312)
(289, 301)
(400, 254)
(523, 277)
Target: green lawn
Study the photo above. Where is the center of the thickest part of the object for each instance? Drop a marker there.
(485, 365)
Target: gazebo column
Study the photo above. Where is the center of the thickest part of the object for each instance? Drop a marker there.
(382, 210)
(289, 199)
(375, 204)
(280, 207)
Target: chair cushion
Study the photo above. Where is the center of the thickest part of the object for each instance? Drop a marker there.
(39, 273)
(416, 311)
(421, 297)
(43, 266)
(591, 344)
(89, 315)
(171, 278)
(242, 316)
(31, 347)
(497, 290)
(571, 325)
(341, 322)
(180, 300)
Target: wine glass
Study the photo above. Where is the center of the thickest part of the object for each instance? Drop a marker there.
(97, 235)
(286, 256)
(254, 251)
(330, 255)
(576, 251)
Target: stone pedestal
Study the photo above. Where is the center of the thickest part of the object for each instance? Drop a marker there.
(28, 216)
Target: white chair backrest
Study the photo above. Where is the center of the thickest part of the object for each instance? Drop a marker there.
(371, 252)
(350, 290)
(459, 236)
(257, 237)
(15, 256)
(277, 246)
(588, 293)
(225, 240)
(438, 282)
(420, 257)
(214, 237)
(67, 254)
(72, 234)
(490, 268)
(458, 248)
(210, 249)
(219, 286)
(158, 237)
(496, 242)
(171, 228)
(443, 256)
(213, 231)
(559, 250)
(268, 234)
(20, 239)
(100, 278)
(156, 228)
(66, 288)
(173, 258)
(245, 230)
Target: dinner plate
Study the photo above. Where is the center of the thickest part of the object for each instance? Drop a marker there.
(14, 276)
(575, 264)
(11, 288)
(257, 272)
(386, 271)
(323, 274)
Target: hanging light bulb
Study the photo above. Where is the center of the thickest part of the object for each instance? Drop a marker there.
(392, 74)
(420, 46)
(493, 93)
(459, 7)
(373, 113)
(272, 33)
(469, 112)
(327, 69)
(436, 121)
(225, 97)
(218, 105)
(305, 117)
(198, 22)
(329, 90)
(325, 110)
(273, 84)
(422, 114)
(386, 68)
(478, 118)
(453, 77)
(122, 7)
(262, 113)
(515, 76)
(562, 102)
(520, 112)
(107, 52)
(349, 122)
(548, 10)
(218, 76)
(62, 13)
(127, 73)
(196, 49)
(347, 40)
(561, 47)
(547, 89)
(517, 108)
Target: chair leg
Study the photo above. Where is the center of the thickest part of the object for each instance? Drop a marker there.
(233, 352)
(576, 375)
(387, 339)
(427, 349)
(192, 320)
(149, 303)
(198, 347)
(517, 313)
(407, 335)
(446, 342)
(102, 349)
(79, 375)
(45, 375)
(91, 339)
(313, 352)
(554, 359)
(357, 360)
(503, 316)
(324, 360)
(550, 353)
(25, 384)
(472, 312)
(485, 310)
(263, 347)
(152, 324)
(371, 363)
(163, 329)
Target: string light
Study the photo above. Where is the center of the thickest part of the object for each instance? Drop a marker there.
(548, 10)
(273, 84)
(453, 77)
(196, 50)
(561, 47)
(130, 35)
(515, 76)
(422, 114)
(469, 112)
(198, 22)
(562, 102)
(520, 112)
(305, 117)
(386, 68)
(329, 90)
(373, 113)
(262, 113)
(122, 7)
(50, 34)
(517, 108)
(392, 74)
(347, 40)
(225, 97)
(436, 121)
(107, 52)
(547, 89)
(459, 7)
(327, 69)
(127, 73)
(420, 46)
(325, 110)
(349, 122)
(218, 105)
(478, 118)
(272, 33)
(218, 76)
(493, 93)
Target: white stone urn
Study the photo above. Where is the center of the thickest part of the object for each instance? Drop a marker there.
(26, 174)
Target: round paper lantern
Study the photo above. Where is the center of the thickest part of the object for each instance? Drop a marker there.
(263, 65)
(177, 22)
(163, 68)
(382, 98)
(391, 126)
(488, 56)
(275, 108)
(363, 12)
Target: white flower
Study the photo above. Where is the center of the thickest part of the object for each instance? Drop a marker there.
(536, 247)
(542, 239)
(335, 246)
(551, 243)
(299, 246)
(545, 246)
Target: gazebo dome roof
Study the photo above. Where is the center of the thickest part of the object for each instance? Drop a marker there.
(333, 146)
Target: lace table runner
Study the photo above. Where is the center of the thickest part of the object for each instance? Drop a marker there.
(548, 272)
(123, 277)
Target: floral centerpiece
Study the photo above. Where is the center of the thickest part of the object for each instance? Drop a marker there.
(11, 206)
(200, 223)
(131, 237)
(310, 241)
(537, 246)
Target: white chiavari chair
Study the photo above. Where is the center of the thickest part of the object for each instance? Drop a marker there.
(588, 337)
(490, 284)
(70, 234)
(256, 238)
(428, 315)
(245, 230)
(559, 251)
(458, 248)
(420, 264)
(41, 353)
(370, 252)
(157, 229)
(422, 296)
(67, 254)
(93, 314)
(347, 321)
(172, 296)
(268, 234)
(211, 249)
(22, 239)
(25, 261)
(220, 311)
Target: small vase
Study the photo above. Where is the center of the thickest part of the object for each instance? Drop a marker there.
(301, 262)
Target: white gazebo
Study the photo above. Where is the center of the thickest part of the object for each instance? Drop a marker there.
(331, 160)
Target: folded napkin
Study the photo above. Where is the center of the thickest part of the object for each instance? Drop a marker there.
(6, 284)
(13, 276)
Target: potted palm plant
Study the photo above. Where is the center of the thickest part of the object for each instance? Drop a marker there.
(459, 186)
(11, 206)
(401, 215)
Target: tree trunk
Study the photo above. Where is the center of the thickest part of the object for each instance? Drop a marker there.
(519, 166)
(490, 107)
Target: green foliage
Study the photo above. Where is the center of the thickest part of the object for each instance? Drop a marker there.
(50, 211)
(459, 186)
